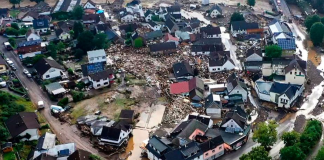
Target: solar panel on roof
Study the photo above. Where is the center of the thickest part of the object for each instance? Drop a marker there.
(95, 67)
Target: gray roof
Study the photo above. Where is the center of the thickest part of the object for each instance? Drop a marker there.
(191, 127)
(20, 122)
(298, 64)
(253, 50)
(220, 61)
(40, 23)
(264, 87)
(242, 25)
(153, 35)
(217, 8)
(158, 144)
(169, 23)
(65, 5)
(210, 30)
(162, 46)
(53, 86)
(288, 89)
(233, 81)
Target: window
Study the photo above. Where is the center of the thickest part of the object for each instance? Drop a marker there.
(295, 73)
(299, 73)
(105, 83)
(290, 72)
(213, 151)
(231, 126)
(218, 68)
(238, 91)
(206, 154)
(98, 85)
(220, 147)
(214, 69)
(47, 76)
(103, 57)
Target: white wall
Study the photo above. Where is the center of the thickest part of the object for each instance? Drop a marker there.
(234, 33)
(228, 66)
(32, 132)
(33, 36)
(128, 18)
(32, 54)
(295, 76)
(27, 19)
(102, 83)
(232, 124)
(214, 13)
(254, 57)
(150, 156)
(266, 69)
(97, 59)
(53, 73)
(148, 18)
(64, 36)
(239, 90)
(122, 136)
(88, 5)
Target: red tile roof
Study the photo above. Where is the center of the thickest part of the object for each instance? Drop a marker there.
(180, 87)
(168, 37)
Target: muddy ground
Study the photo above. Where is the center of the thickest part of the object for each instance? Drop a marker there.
(300, 123)
(313, 74)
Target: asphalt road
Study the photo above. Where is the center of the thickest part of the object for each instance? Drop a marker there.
(64, 132)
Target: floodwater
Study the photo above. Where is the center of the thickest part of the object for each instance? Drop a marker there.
(134, 144)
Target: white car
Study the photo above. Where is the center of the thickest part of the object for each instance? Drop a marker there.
(28, 75)
(25, 71)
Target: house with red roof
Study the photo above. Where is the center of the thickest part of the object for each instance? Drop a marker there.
(169, 38)
(194, 86)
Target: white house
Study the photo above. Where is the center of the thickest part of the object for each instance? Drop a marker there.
(97, 56)
(115, 135)
(282, 94)
(235, 121)
(48, 69)
(29, 16)
(148, 15)
(101, 79)
(236, 88)
(215, 11)
(30, 36)
(210, 32)
(127, 17)
(254, 54)
(205, 2)
(154, 26)
(286, 70)
(89, 5)
(23, 123)
(213, 106)
(220, 64)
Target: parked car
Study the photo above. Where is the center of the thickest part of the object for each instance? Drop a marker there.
(3, 84)
(13, 68)
(25, 71)
(40, 104)
(29, 75)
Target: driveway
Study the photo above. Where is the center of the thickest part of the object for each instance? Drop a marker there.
(64, 132)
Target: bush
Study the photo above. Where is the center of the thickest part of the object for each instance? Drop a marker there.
(70, 71)
(77, 96)
(63, 102)
(310, 136)
(45, 126)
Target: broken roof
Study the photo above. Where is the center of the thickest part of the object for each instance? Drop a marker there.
(126, 113)
(101, 75)
(46, 141)
(162, 46)
(181, 69)
(219, 61)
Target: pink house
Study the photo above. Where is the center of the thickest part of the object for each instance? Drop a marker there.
(213, 148)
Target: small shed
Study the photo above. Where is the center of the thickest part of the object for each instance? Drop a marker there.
(6, 147)
(127, 116)
(55, 88)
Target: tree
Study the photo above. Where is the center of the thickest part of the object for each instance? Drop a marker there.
(266, 134)
(70, 71)
(77, 29)
(14, 2)
(257, 153)
(37, 1)
(52, 49)
(273, 51)
(15, 26)
(22, 31)
(94, 157)
(12, 31)
(138, 42)
(63, 102)
(100, 41)
(77, 96)
(4, 134)
(317, 33)
(322, 20)
(236, 16)
(85, 41)
(78, 53)
(80, 85)
(320, 154)
(292, 153)
(60, 47)
(78, 12)
(251, 3)
(12, 42)
(310, 20)
(290, 138)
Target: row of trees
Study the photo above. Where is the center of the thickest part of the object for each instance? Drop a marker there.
(8, 107)
(315, 26)
(297, 146)
(266, 135)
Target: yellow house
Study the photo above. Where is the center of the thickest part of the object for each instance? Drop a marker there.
(3, 67)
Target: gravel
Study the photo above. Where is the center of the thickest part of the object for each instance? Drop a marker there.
(300, 123)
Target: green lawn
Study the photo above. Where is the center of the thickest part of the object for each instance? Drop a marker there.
(76, 113)
(14, 13)
(9, 156)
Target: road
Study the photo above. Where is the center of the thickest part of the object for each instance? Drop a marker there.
(64, 132)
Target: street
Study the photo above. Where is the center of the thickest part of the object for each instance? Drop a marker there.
(64, 132)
